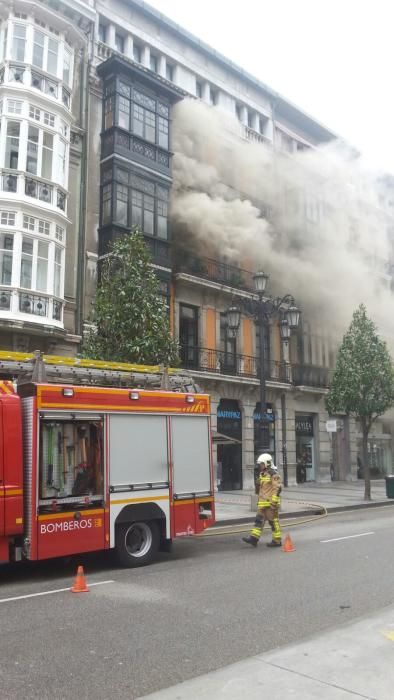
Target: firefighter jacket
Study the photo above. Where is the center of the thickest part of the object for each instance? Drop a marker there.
(270, 486)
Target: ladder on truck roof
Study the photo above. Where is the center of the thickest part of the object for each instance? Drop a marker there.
(56, 369)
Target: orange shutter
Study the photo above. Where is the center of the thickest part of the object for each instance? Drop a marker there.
(210, 338)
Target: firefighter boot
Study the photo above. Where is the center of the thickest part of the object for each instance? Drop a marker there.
(250, 540)
(274, 543)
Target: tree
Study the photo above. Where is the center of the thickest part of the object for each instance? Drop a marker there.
(130, 321)
(363, 382)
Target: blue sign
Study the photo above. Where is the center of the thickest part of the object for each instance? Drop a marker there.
(268, 417)
(234, 415)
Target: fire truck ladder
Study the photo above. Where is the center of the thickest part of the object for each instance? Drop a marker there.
(36, 367)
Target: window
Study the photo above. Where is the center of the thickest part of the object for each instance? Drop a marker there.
(153, 62)
(228, 346)
(12, 145)
(29, 222)
(59, 235)
(38, 49)
(162, 214)
(15, 74)
(119, 43)
(47, 152)
(121, 202)
(7, 218)
(102, 33)
(42, 266)
(250, 120)
(61, 155)
(169, 72)
(66, 98)
(137, 53)
(144, 123)
(44, 227)
(14, 106)
(44, 84)
(32, 150)
(163, 132)
(213, 95)
(6, 252)
(57, 277)
(66, 67)
(109, 112)
(49, 119)
(34, 113)
(53, 47)
(107, 196)
(26, 276)
(19, 42)
(188, 335)
(124, 113)
(198, 89)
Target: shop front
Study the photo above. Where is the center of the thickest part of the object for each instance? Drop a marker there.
(379, 456)
(305, 448)
(229, 456)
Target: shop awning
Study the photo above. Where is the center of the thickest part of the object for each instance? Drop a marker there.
(220, 439)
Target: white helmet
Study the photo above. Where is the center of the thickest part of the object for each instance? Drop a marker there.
(265, 458)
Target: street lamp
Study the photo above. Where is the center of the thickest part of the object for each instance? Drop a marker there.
(262, 309)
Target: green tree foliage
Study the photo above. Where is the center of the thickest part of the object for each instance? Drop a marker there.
(363, 382)
(130, 321)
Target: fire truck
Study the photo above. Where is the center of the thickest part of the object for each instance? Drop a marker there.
(118, 457)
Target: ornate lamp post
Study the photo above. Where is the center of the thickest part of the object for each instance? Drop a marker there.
(262, 309)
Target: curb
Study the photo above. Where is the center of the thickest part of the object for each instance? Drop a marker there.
(303, 513)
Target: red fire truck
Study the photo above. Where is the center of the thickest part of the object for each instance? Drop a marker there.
(86, 468)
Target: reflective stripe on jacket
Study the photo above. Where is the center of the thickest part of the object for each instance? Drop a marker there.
(270, 486)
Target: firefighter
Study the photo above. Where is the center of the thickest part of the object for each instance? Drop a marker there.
(268, 487)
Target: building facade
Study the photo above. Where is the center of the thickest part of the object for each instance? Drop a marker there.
(87, 93)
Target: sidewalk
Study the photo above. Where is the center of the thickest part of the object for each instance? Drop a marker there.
(305, 499)
(351, 661)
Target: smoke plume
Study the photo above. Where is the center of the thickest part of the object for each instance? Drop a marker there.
(312, 220)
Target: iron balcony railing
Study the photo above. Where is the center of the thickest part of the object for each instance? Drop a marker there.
(221, 362)
(235, 364)
(214, 271)
(311, 375)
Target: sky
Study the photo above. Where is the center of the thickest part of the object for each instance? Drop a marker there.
(333, 58)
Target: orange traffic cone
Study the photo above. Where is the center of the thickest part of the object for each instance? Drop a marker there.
(288, 545)
(80, 585)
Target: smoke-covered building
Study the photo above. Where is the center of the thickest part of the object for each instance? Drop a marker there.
(119, 118)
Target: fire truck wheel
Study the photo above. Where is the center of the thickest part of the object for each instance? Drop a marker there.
(137, 543)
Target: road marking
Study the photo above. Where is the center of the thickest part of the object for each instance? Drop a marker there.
(348, 537)
(57, 590)
(389, 635)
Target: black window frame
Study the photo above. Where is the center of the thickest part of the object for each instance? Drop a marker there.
(123, 185)
(123, 97)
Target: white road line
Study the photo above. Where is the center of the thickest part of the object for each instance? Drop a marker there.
(58, 590)
(348, 537)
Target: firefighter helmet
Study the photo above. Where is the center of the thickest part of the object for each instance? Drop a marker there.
(265, 459)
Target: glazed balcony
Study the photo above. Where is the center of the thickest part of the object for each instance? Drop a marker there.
(213, 271)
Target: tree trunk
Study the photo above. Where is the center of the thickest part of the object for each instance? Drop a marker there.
(367, 475)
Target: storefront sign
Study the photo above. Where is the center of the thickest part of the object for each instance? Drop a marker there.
(232, 415)
(268, 417)
(304, 425)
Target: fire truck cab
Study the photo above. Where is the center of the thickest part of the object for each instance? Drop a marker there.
(102, 468)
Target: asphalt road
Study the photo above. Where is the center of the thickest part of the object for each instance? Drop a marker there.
(211, 602)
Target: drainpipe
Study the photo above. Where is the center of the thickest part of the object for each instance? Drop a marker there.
(284, 440)
(84, 121)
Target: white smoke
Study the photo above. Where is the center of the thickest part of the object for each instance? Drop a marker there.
(311, 219)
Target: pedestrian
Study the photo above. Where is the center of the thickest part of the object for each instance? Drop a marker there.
(268, 487)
